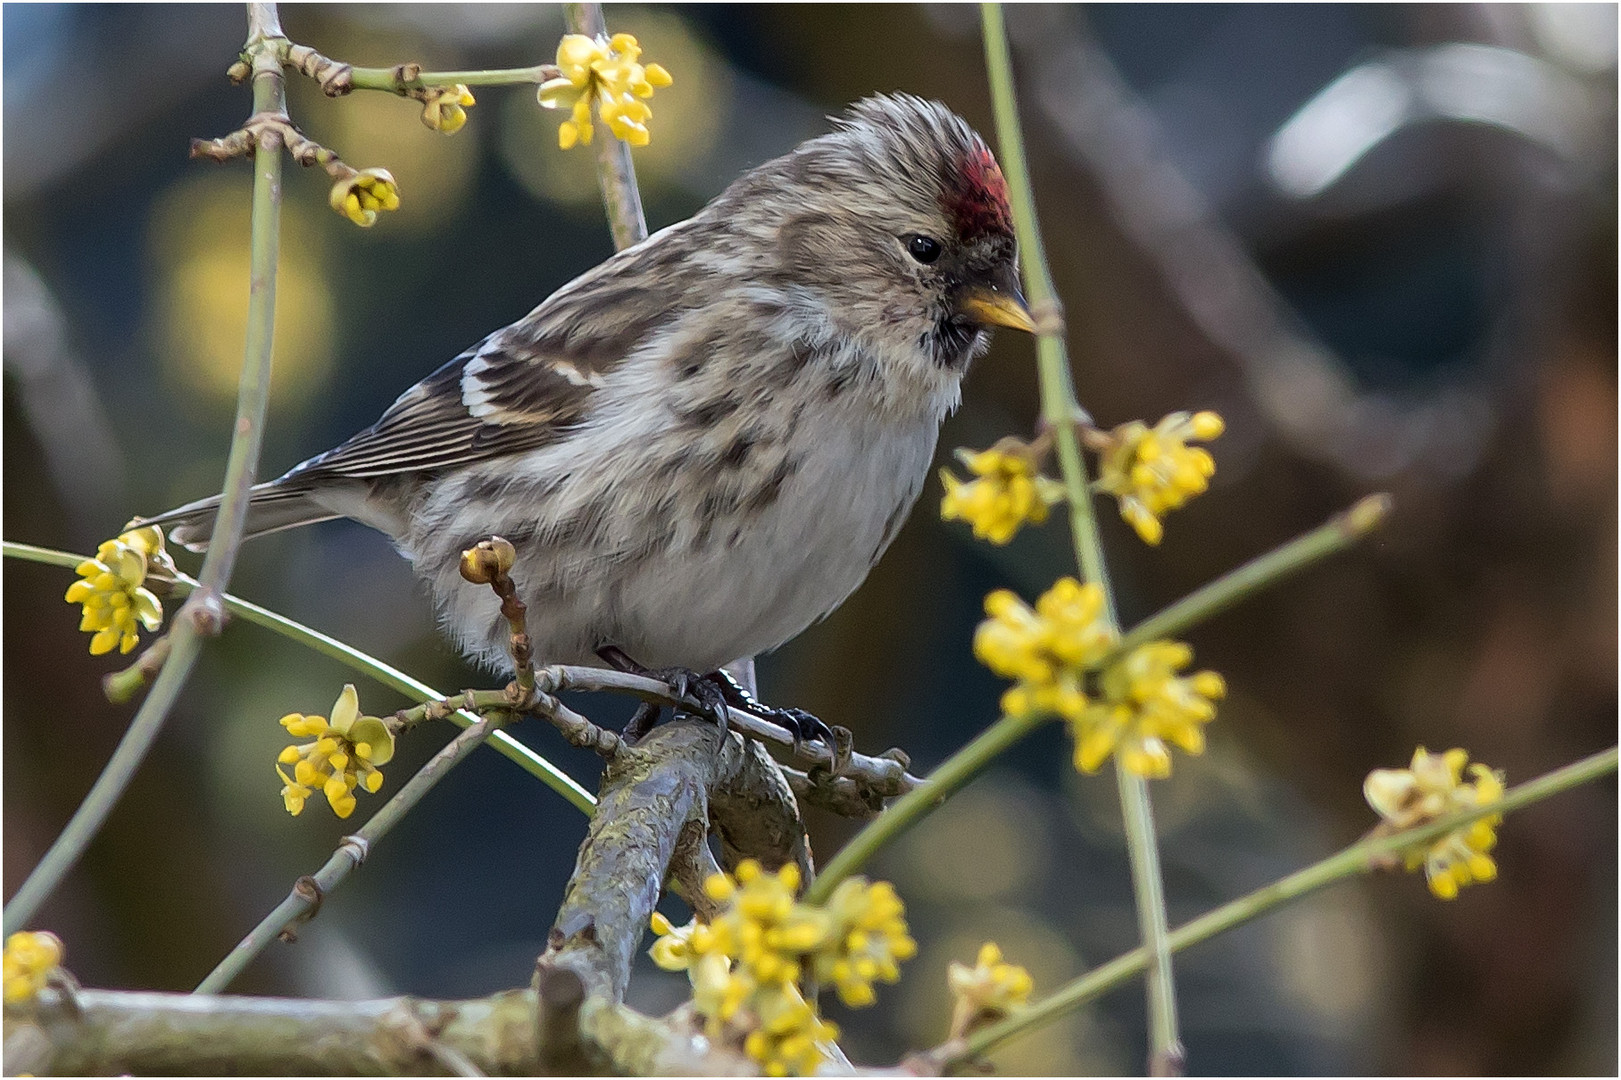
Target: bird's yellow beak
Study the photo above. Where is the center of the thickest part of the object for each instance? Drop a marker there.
(995, 308)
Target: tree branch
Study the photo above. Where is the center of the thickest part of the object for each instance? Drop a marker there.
(1059, 407)
(1371, 853)
(203, 615)
(112, 1032)
(756, 816)
(649, 793)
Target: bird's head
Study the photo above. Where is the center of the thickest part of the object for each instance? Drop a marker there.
(901, 221)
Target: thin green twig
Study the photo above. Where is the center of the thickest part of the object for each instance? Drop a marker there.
(367, 78)
(308, 893)
(912, 807)
(1359, 858)
(1059, 410)
(201, 614)
(1336, 534)
(389, 676)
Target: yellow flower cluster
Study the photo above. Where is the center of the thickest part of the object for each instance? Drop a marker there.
(345, 755)
(746, 964)
(444, 108)
(1153, 470)
(866, 941)
(1144, 704)
(609, 72)
(359, 196)
(791, 1035)
(1047, 649)
(1141, 705)
(112, 590)
(1007, 492)
(987, 991)
(30, 958)
(1433, 787)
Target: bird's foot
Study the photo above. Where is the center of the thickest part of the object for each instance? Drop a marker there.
(715, 691)
(684, 681)
(805, 726)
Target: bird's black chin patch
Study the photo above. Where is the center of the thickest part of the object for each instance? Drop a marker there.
(953, 342)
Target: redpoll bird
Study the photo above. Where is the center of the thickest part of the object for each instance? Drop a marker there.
(701, 446)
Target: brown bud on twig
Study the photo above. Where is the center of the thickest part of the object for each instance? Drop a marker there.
(236, 144)
(405, 74)
(336, 79)
(488, 560)
(307, 151)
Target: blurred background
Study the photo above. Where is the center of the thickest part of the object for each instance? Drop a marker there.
(1380, 240)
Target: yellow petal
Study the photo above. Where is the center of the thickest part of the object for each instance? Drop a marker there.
(1443, 885)
(346, 710)
(374, 734)
(1207, 425)
(576, 50)
(148, 610)
(555, 93)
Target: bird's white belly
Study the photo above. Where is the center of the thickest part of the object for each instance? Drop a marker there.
(698, 598)
(703, 607)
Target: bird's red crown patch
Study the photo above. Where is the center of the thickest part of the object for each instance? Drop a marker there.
(978, 203)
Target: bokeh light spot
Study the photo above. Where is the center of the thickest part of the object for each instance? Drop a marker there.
(1001, 823)
(199, 243)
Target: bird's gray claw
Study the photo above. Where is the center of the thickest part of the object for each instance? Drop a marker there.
(807, 727)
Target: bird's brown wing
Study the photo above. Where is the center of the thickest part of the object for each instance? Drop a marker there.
(520, 388)
(431, 425)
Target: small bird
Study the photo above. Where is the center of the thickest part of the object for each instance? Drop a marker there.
(701, 446)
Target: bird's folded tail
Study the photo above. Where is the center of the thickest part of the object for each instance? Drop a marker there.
(272, 506)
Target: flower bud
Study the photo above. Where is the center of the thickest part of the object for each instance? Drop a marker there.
(488, 560)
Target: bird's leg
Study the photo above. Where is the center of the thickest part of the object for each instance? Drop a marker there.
(685, 681)
(716, 690)
(805, 726)
(640, 723)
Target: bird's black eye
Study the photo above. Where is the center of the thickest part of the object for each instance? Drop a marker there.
(925, 249)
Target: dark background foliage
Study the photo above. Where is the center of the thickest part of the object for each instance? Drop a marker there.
(1411, 288)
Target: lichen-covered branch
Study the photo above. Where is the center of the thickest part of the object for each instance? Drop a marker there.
(835, 794)
(756, 816)
(649, 793)
(107, 1033)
